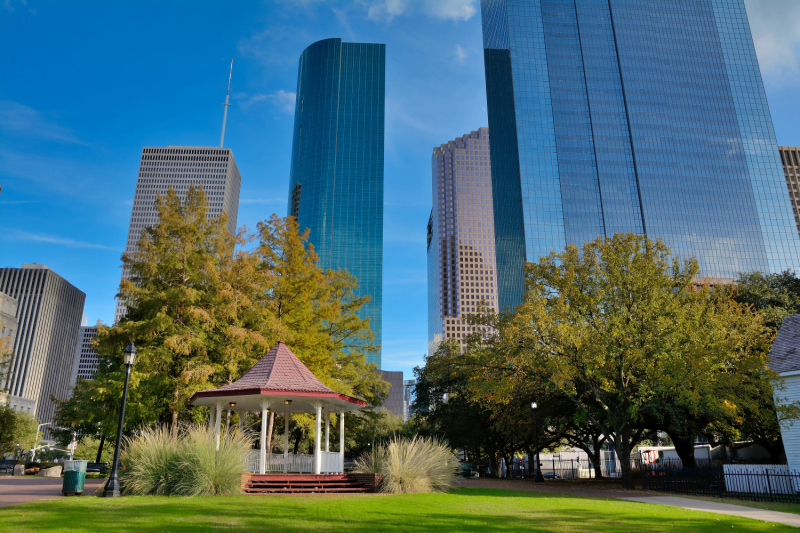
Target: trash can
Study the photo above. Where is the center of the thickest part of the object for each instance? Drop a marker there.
(74, 477)
(466, 470)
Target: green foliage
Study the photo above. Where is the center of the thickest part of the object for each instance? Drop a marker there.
(16, 427)
(412, 466)
(88, 447)
(163, 462)
(776, 296)
(203, 306)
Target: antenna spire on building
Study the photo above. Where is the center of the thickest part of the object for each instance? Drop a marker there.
(226, 105)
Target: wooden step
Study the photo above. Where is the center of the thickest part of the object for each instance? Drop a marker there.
(304, 489)
(302, 483)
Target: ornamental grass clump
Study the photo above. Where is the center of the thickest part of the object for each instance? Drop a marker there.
(185, 463)
(410, 466)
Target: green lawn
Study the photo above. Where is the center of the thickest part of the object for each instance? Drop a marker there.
(463, 509)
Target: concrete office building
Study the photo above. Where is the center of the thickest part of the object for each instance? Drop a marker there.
(617, 116)
(461, 252)
(336, 177)
(790, 157)
(180, 167)
(85, 365)
(8, 334)
(49, 315)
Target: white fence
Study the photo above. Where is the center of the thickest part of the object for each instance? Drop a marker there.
(762, 479)
(296, 463)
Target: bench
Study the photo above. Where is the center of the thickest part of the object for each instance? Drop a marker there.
(7, 466)
(97, 468)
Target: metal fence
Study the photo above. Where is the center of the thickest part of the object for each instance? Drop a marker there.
(771, 483)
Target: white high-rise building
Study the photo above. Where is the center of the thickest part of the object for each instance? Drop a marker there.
(181, 166)
(85, 365)
(49, 311)
(461, 251)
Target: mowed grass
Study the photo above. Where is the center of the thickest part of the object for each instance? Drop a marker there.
(463, 509)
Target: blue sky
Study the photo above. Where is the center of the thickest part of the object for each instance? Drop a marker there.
(84, 85)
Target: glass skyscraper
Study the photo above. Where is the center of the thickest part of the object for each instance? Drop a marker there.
(644, 116)
(336, 182)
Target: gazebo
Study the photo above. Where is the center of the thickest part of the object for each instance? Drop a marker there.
(282, 383)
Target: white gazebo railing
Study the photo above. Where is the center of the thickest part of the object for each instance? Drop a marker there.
(331, 462)
(295, 463)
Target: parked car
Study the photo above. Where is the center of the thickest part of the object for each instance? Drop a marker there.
(550, 475)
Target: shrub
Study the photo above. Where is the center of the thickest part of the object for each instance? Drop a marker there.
(187, 463)
(409, 466)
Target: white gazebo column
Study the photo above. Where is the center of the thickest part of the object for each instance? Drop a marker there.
(327, 431)
(210, 419)
(241, 420)
(341, 439)
(286, 416)
(317, 443)
(262, 456)
(218, 422)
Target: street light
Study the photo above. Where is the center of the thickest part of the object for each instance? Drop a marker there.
(539, 479)
(112, 485)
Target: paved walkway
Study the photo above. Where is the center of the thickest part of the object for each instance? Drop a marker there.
(612, 490)
(789, 519)
(22, 489)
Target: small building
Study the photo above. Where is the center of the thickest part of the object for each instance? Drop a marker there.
(785, 360)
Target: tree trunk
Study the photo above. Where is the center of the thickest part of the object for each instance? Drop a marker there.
(596, 456)
(623, 449)
(100, 449)
(270, 429)
(298, 435)
(173, 425)
(684, 447)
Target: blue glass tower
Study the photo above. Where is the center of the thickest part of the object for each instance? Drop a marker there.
(644, 116)
(336, 182)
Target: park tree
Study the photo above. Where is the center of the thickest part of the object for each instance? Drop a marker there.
(16, 428)
(610, 324)
(204, 305)
(776, 296)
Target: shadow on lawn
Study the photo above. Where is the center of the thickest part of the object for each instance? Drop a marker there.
(459, 511)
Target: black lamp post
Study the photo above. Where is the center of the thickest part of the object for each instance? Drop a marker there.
(112, 485)
(539, 479)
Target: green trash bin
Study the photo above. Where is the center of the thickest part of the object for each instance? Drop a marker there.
(466, 470)
(74, 477)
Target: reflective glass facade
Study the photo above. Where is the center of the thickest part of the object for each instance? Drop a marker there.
(336, 182)
(644, 116)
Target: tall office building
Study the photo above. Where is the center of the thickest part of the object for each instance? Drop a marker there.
(790, 157)
(181, 166)
(85, 363)
(336, 180)
(612, 116)
(461, 255)
(49, 315)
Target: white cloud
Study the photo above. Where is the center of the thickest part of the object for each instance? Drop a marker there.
(386, 10)
(776, 34)
(9, 5)
(20, 235)
(452, 9)
(461, 53)
(283, 100)
(22, 120)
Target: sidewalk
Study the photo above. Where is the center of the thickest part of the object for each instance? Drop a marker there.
(23, 489)
(789, 519)
(559, 487)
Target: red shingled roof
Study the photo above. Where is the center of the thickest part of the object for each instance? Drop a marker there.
(279, 370)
